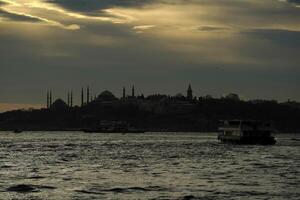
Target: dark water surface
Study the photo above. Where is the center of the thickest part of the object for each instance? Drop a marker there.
(66, 165)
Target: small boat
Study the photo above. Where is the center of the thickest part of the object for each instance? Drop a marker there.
(246, 132)
(113, 127)
(18, 131)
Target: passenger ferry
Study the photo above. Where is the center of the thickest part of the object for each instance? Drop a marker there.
(246, 132)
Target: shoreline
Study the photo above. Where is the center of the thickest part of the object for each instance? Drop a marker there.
(80, 131)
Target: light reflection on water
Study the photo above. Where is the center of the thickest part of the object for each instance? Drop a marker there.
(66, 165)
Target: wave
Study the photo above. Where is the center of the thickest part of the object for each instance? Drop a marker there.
(122, 190)
(24, 188)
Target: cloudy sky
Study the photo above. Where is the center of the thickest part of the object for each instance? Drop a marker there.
(249, 47)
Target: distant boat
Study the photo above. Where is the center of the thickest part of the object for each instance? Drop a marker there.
(113, 127)
(246, 132)
(18, 131)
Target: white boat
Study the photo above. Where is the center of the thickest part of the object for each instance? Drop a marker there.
(246, 132)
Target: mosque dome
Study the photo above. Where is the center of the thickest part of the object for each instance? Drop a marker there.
(59, 104)
(106, 96)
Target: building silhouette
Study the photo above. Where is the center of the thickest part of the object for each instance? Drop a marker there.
(155, 112)
(106, 96)
(124, 93)
(71, 103)
(82, 98)
(48, 101)
(132, 92)
(59, 105)
(189, 95)
(148, 103)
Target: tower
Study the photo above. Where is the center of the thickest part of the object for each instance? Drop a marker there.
(48, 99)
(68, 99)
(133, 95)
(87, 94)
(82, 97)
(124, 93)
(189, 95)
(71, 103)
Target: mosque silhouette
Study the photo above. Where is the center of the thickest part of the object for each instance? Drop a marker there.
(107, 97)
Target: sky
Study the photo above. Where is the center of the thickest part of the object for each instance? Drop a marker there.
(248, 47)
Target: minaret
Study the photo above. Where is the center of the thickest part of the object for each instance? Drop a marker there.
(71, 103)
(88, 95)
(189, 93)
(82, 97)
(48, 99)
(133, 95)
(68, 99)
(124, 93)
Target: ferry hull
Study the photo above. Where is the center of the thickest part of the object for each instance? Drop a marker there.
(248, 140)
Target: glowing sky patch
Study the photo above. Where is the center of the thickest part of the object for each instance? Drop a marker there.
(11, 106)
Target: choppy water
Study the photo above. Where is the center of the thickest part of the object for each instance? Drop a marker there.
(65, 165)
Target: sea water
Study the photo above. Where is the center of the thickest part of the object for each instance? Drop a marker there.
(76, 165)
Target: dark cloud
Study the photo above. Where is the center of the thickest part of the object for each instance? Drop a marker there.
(91, 6)
(278, 36)
(18, 17)
(294, 1)
(94, 7)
